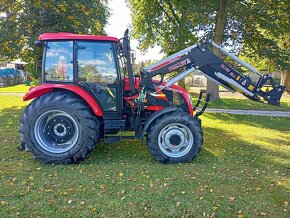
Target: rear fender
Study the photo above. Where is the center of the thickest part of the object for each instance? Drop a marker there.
(45, 88)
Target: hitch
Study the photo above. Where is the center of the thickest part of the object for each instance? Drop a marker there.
(201, 98)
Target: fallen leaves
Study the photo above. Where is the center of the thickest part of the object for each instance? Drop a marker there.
(4, 203)
(151, 184)
(240, 214)
(258, 189)
(232, 199)
(31, 178)
(285, 206)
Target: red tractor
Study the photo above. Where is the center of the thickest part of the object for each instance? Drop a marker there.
(89, 93)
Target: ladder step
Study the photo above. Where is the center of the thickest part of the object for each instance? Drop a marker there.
(112, 139)
(115, 124)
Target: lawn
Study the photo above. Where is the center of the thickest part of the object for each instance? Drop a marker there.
(246, 104)
(239, 102)
(242, 171)
(18, 88)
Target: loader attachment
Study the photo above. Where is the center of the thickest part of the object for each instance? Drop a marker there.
(217, 70)
(200, 57)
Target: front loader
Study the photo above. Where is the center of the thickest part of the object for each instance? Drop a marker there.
(90, 93)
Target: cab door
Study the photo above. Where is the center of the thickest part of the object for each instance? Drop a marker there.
(97, 72)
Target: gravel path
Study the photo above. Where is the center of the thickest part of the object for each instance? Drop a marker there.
(250, 112)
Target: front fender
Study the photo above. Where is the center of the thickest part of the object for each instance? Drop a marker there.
(45, 88)
(156, 115)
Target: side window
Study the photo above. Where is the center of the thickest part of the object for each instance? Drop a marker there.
(96, 62)
(97, 70)
(59, 61)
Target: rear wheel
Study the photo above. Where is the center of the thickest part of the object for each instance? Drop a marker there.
(59, 128)
(174, 138)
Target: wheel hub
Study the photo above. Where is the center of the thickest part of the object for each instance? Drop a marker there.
(174, 137)
(56, 131)
(59, 129)
(175, 140)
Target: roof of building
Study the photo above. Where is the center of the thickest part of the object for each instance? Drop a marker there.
(72, 36)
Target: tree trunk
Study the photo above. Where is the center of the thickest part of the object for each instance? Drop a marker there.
(285, 79)
(181, 83)
(220, 24)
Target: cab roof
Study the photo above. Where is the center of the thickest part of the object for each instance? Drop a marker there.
(73, 36)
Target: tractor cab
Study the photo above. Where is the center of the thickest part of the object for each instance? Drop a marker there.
(90, 62)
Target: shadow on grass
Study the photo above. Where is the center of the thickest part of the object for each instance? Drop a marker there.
(9, 119)
(227, 146)
(275, 123)
(246, 104)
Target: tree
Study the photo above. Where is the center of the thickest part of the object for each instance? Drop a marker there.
(175, 24)
(23, 21)
(285, 77)
(270, 41)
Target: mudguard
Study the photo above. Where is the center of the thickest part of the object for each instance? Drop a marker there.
(45, 88)
(156, 115)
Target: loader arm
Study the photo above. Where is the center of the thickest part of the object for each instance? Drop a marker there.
(200, 57)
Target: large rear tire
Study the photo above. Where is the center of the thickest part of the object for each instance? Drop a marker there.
(59, 128)
(175, 137)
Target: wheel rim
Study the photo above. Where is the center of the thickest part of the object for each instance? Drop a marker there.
(175, 140)
(56, 131)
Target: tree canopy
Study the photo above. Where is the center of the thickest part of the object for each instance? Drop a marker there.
(253, 27)
(23, 21)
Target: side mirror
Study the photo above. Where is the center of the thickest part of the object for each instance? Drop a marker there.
(39, 43)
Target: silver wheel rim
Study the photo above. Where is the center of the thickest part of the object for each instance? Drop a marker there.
(175, 140)
(56, 131)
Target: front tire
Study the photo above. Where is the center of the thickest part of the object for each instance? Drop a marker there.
(59, 128)
(174, 138)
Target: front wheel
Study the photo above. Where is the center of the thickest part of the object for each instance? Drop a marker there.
(174, 138)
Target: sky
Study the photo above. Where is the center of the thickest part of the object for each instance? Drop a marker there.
(119, 20)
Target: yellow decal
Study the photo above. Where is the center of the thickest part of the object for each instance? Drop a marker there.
(251, 87)
(110, 92)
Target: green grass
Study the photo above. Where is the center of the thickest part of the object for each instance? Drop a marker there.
(242, 103)
(243, 170)
(246, 104)
(18, 88)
